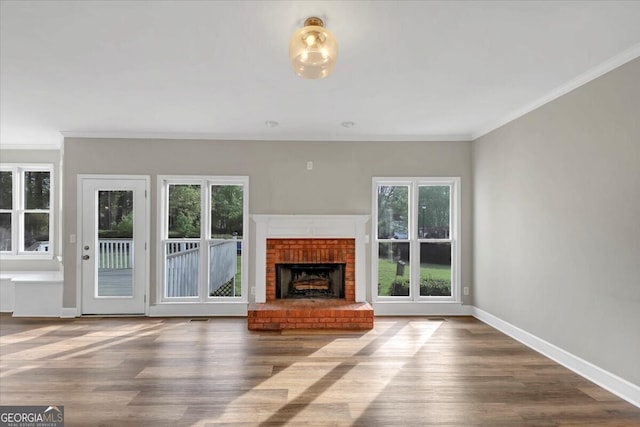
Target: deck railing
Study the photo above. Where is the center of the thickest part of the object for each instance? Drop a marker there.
(222, 265)
(115, 253)
(182, 266)
(182, 271)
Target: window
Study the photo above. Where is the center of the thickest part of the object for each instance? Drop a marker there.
(203, 238)
(26, 198)
(416, 251)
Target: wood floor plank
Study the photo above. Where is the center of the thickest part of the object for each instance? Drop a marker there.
(408, 371)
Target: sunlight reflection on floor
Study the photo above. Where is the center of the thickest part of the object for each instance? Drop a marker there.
(327, 376)
(27, 335)
(84, 343)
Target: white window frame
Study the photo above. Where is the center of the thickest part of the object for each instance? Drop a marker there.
(18, 210)
(414, 240)
(205, 182)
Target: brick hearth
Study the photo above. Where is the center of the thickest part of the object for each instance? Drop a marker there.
(310, 314)
(277, 314)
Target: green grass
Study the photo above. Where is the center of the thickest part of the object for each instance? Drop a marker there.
(435, 271)
(387, 274)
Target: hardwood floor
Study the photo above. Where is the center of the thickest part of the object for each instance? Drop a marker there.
(405, 372)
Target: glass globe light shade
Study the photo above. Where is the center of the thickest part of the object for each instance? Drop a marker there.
(313, 50)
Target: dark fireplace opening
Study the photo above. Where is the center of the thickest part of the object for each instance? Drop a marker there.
(323, 280)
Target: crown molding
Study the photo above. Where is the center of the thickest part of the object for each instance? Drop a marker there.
(584, 78)
(264, 137)
(29, 146)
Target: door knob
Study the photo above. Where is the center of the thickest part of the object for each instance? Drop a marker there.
(85, 257)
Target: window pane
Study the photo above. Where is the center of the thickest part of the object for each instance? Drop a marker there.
(5, 231)
(393, 269)
(115, 243)
(36, 232)
(435, 269)
(184, 211)
(238, 278)
(393, 212)
(115, 214)
(223, 266)
(226, 211)
(225, 257)
(36, 190)
(6, 190)
(183, 264)
(433, 212)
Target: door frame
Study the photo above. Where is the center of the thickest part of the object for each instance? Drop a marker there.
(79, 233)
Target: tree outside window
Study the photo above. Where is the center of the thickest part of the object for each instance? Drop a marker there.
(25, 209)
(416, 238)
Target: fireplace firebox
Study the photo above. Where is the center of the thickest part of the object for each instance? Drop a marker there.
(318, 280)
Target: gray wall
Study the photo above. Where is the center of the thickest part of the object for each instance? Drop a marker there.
(279, 183)
(556, 222)
(38, 156)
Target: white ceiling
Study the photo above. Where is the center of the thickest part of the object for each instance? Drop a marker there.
(406, 70)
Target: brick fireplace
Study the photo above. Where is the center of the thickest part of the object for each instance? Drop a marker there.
(311, 243)
(311, 252)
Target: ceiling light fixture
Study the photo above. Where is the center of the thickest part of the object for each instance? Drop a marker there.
(313, 50)
(347, 124)
(271, 123)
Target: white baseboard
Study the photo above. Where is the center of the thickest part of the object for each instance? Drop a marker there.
(616, 385)
(198, 309)
(68, 312)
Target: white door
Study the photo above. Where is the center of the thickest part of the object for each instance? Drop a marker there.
(113, 238)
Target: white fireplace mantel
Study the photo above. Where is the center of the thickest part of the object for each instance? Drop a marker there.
(310, 226)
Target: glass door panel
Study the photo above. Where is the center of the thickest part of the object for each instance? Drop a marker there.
(114, 250)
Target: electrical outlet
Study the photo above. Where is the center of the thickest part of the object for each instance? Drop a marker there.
(253, 290)
(309, 165)
(466, 290)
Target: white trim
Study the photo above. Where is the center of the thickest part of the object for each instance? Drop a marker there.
(29, 146)
(18, 210)
(79, 231)
(298, 137)
(400, 303)
(421, 308)
(69, 312)
(311, 226)
(205, 182)
(582, 79)
(616, 385)
(209, 309)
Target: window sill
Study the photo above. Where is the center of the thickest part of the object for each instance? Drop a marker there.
(11, 257)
